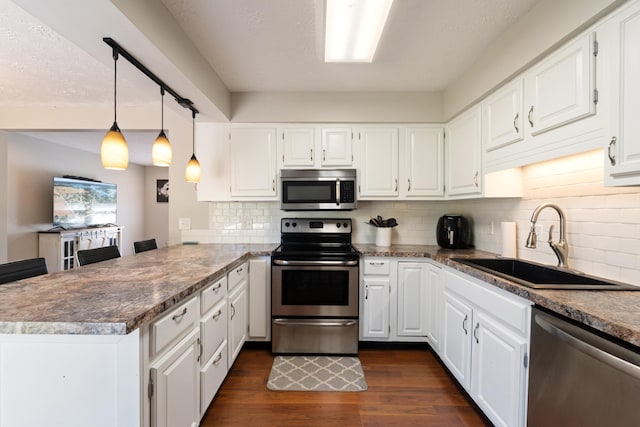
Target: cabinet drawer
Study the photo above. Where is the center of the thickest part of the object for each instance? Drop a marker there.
(237, 275)
(175, 324)
(212, 294)
(377, 266)
(213, 327)
(212, 375)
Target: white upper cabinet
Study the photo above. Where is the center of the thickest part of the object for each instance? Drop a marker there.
(464, 153)
(560, 89)
(298, 146)
(622, 163)
(502, 115)
(378, 175)
(253, 162)
(422, 160)
(337, 147)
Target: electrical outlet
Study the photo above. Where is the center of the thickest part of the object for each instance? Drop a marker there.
(184, 223)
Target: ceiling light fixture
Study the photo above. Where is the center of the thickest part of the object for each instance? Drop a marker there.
(192, 174)
(114, 152)
(161, 150)
(353, 29)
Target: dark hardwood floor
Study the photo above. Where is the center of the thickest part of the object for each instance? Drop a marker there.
(407, 387)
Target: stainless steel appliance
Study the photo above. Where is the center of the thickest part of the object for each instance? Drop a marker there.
(580, 378)
(314, 288)
(318, 189)
(453, 232)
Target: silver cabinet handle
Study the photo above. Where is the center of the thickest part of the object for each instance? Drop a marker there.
(475, 179)
(239, 270)
(217, 359)
(324, 154)
(311, 156)
(464, 324)
(178, 316)
(233, 311)
(409, 184)
(475, 332)
(337, 191)
(201, 350)
(215, 288)
(529, 116)
(515, 122)
(217, 315)
(396, 189)
(273, 185)
(376, 263)
(366, 292)
(612, 157)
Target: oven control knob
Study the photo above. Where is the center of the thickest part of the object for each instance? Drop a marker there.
(286, 224)
(345, 225)
(294, 225)
(338, 225)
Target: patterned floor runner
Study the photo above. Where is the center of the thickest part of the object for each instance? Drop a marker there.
(316, 373)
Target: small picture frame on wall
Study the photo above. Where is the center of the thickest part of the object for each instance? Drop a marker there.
(162, 191)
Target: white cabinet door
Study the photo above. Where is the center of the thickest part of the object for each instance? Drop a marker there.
(434, 314)
(464, 149)
(253, 162)
(238, 317)
(623, 163)
(375, 318)
(212, 150)
(503, 117)
(298, 147)
(259, 298)
(560, 89)
(422, 157)
(337, 147)
(498, 371)
(456, 339)
(413, 299)
(379, 162)
(176, 399)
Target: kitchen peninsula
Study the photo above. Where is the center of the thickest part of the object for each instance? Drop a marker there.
(73, 343)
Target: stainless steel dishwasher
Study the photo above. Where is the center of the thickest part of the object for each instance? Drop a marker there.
(579, 378)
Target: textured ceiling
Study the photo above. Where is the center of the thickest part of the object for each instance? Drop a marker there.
(276, 45)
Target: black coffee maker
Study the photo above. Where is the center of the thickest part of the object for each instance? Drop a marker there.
(452, 232)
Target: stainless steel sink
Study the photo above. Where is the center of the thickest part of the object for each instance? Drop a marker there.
(540, 276)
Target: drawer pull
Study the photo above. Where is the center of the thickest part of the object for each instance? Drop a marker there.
(217, 359)
(215, 316)
(201, 349)
(179, 316)
(475, 332)
(239, 270)
(464, 324)
(233, 311)
(612, 157)
(515, 123)
(376, 263)
(215, 288)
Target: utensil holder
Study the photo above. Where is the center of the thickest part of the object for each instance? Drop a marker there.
(383, 236)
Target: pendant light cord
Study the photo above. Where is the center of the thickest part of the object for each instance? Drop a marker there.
(162, 109)
(115, 91)
(193, 130)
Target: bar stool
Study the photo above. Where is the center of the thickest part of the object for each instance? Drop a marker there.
(144, 245)
(12, 271)
(90, 256)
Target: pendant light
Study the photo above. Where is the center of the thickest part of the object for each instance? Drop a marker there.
(114, 152)
(192, 173)
(161, 150)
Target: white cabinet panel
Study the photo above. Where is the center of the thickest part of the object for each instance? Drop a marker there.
(413, 299)
(238, 319)
(375, 319)
(456, 339)
(559, 89)
(464, 153)
(422, 157)
(260, 298)
(503, 116)
(337, 147)
(298, 147)
(434, 313)
(379, 167)
(253, 162)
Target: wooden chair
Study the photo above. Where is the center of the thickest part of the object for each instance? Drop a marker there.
(144, 245)
(89, 256)
(12, 271)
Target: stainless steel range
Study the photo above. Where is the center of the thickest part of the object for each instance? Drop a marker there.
(314, 282)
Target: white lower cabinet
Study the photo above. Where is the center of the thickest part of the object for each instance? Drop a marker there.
(485, 345)
(238, 311)
(176, 395)
(397, 302)
(212, 375)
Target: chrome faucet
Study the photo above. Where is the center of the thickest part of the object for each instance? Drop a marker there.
(560, 248)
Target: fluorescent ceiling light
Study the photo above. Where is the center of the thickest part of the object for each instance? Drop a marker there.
(353, 29)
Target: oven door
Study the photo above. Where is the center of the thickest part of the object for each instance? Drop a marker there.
(314, 290)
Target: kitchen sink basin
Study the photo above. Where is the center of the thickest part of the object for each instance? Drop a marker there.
(540, 276)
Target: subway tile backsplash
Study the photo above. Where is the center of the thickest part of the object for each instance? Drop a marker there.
(603, 223)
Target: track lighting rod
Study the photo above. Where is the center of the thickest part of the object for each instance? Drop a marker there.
(119, 50)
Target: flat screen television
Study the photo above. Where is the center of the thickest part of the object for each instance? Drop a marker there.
(80, 203)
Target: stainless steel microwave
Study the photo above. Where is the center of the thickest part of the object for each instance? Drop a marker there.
(318, 189)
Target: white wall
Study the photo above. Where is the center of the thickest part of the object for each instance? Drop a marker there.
(4, 176)
(31, 165)
(603, 223)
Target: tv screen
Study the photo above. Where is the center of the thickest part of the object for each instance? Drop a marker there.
(79, 203)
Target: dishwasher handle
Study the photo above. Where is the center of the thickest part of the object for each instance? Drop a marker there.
(588, 348)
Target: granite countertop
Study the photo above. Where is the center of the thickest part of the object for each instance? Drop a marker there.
(117, 296)
(616, 313)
